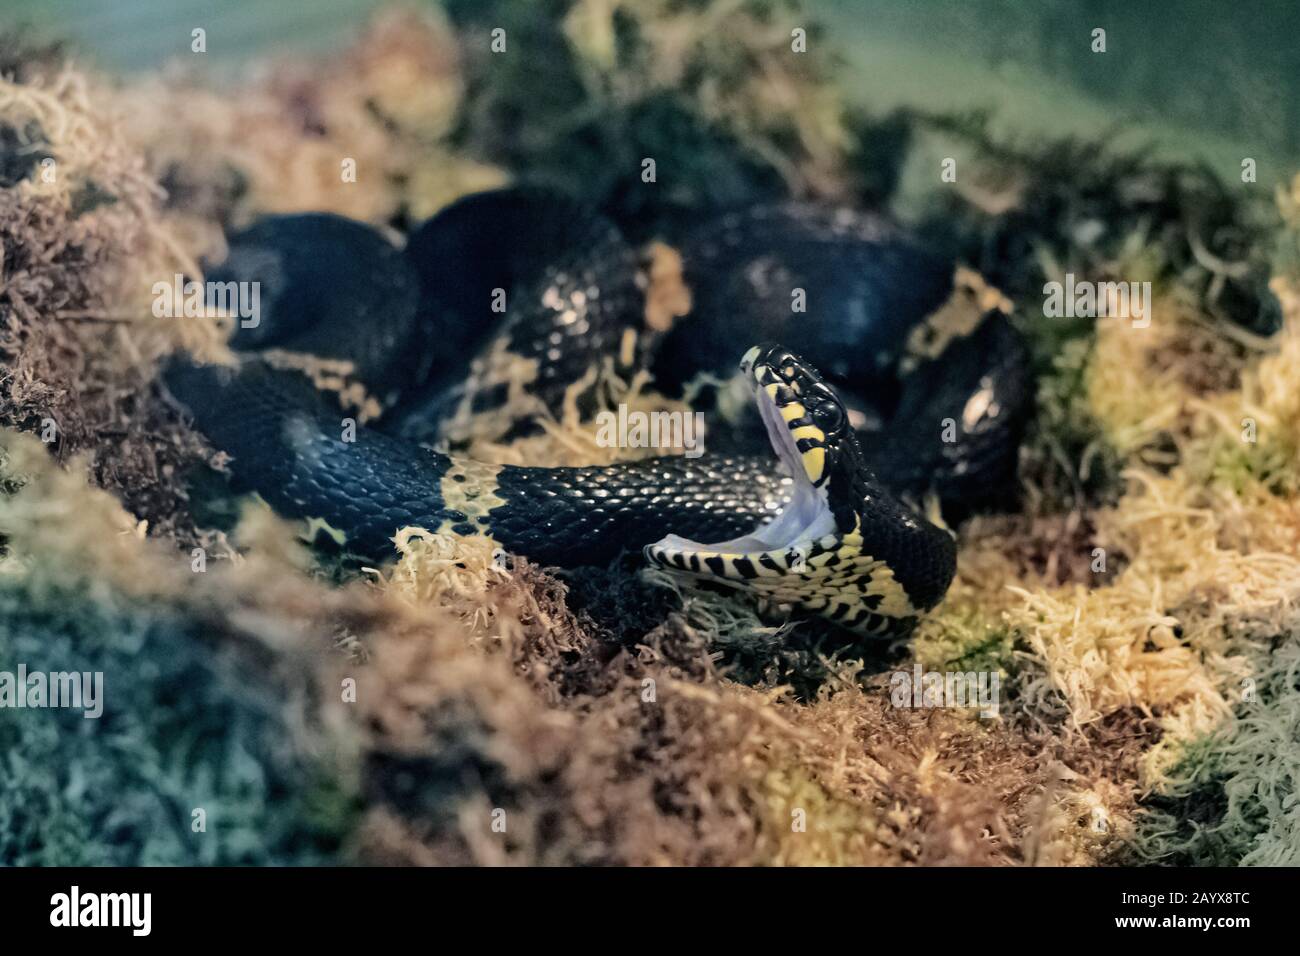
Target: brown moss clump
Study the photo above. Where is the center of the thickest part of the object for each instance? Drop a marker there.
(83, 241)
(658, 769)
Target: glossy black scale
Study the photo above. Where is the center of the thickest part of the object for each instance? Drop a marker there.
(330, 287)
(521, 271)
(864, 285)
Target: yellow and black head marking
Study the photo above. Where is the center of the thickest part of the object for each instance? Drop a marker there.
(805, 407)
(843, 547)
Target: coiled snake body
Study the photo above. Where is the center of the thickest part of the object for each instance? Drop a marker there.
(506, 299)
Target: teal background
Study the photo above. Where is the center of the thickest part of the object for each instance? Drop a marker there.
(1210, 79)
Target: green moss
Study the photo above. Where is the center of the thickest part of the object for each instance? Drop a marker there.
(186, 724)
(1065, 433)
(698, 166)
(1235, 799)
(1242, 465)
(967, 640)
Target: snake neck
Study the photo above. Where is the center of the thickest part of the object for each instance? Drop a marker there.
(587, 515)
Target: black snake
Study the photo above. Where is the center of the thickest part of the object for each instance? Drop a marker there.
(908, 380)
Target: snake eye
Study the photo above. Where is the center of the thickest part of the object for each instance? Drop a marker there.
(830, 413)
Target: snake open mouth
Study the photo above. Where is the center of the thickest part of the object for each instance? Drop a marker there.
(776, 546)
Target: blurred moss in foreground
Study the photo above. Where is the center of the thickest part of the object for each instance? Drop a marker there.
(181, 729)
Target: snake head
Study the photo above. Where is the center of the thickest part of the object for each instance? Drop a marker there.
(843, 547)
(805, 420)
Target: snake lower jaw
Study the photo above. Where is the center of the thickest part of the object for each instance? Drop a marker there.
(804, 519)
(772, 561)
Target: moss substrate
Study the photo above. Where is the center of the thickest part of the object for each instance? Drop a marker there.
(448, 709)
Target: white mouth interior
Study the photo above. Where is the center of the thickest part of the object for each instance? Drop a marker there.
(805, 517)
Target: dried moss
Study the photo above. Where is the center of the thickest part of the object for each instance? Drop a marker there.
(283, 141)
(77, 339)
